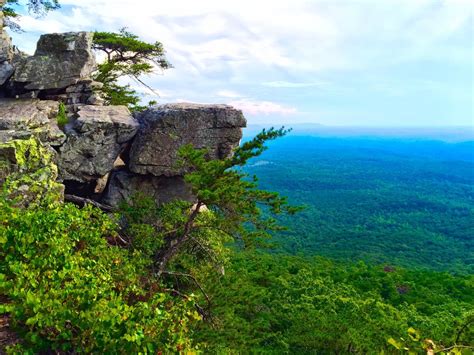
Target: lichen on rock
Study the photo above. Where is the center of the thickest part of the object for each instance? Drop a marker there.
(28, 173)
(27, 117)
(60, 60)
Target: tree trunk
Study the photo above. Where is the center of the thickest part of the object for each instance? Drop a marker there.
(174, 244)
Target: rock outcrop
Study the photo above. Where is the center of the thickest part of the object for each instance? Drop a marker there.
(102, 152)
(25, 118)
(123, 185)
(60, 60)
(95, 140)
(164, 129)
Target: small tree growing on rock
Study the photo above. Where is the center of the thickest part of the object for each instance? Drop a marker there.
(228, 206)
(126, 56)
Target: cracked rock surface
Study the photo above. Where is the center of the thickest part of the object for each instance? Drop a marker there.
(60, 60)
(165, 128)
(27, 117)
(123, 185)
(95, 140)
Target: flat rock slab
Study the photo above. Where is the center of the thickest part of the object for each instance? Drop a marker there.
(60, 60)
(27, 117)
(95, 141)
(164, 129)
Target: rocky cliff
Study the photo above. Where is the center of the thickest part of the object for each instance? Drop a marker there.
(103, 153)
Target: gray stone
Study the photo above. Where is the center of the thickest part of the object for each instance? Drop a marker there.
(60, 60)
(85, 92)
(164, 129)
(6, 53)
(24, 118)
(123, 185)
(94, 142)
(6, 71)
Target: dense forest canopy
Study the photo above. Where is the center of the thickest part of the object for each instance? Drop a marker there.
(398, 202)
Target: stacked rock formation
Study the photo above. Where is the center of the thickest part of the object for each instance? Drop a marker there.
(152, 163)
(103, 152)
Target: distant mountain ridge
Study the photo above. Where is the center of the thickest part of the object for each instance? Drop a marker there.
(447, 134)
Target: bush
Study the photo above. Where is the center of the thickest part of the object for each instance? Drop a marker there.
(62, 115)
(68, 289)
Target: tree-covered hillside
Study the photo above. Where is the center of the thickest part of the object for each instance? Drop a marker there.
(400, 202)
(286, 304)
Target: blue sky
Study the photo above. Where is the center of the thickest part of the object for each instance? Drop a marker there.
(334, 62)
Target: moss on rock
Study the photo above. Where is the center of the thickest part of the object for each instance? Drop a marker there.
(28, 173)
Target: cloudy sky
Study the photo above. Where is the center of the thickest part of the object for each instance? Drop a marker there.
(334, 62)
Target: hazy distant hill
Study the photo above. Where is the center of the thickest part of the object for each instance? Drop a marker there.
(448, 134)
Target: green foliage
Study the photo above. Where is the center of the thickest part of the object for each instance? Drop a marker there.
(283, 304)
(61, 118)
(126, 55)
(233, 197)
(68, 290)
(75, 281)
(415, 344)
(142, 221)
(38, 7)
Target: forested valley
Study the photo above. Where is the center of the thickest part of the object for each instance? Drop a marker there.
(382, 248)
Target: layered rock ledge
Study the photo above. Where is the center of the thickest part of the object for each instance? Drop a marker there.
(215, 127)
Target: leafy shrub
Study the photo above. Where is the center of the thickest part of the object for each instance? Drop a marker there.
(62, 116)
(68, 289)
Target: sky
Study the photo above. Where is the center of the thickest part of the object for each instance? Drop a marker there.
(332, 62)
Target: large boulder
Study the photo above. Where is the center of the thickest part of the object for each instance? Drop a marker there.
(123, 185)
(30, 117)
(164, 129)
(60, 60)
(94, 142)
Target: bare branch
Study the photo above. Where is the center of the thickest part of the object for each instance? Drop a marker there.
(163, 256)
(189, 276)
(82, 201)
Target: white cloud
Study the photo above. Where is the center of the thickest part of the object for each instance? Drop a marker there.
(297, 35)
(295, 85)
(259, 49)
(228, 94)
(253, 107)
